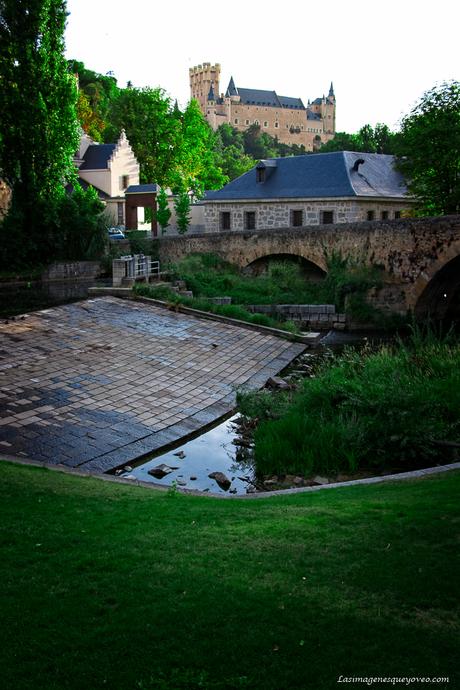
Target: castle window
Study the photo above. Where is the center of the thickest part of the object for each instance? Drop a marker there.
(327, 217)
(384, 215)
(370, 215)
(124, 181)
(236, 120)
(296, 218)
(265, 123)
(247, 122)
(256, 122)
(225, 221)
(250, 220)
(277, 124)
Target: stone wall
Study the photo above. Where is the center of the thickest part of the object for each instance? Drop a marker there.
(73, 270)
(410, 252)
(278, 214)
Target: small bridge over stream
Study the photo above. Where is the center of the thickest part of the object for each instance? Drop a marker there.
(419, 258)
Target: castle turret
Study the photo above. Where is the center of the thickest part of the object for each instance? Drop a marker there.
(202, 77)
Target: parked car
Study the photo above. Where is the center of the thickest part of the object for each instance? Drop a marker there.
(116, 233)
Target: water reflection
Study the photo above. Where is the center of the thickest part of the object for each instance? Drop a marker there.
(213, 451)
(25, 297)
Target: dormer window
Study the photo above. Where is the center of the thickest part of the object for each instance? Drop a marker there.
(260, 174)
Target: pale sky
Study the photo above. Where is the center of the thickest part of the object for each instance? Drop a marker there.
(381, 56)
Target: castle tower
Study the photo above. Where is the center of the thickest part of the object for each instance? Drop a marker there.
(202, 78)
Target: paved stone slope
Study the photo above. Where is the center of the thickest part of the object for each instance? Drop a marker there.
(99, 383)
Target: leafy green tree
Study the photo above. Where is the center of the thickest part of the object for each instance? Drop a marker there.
(96, 92)
(163, 210)
(38, 124)
(152, 130)
(197, 166)
(182, 206)
(429, 150)
(368, 140)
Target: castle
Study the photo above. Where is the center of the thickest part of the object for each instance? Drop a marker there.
(280, 116)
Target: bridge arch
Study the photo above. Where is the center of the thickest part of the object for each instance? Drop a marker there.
(437, 290)
(310, 269)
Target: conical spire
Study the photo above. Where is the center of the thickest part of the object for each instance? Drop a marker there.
(211, 96)
(331, 91)
(231, 89)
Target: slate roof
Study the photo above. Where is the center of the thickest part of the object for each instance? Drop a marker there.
(322, 175)
(84, 185)
(259, 97)
(313, 116)
(141, 188)
(287, 102)
(97, 156)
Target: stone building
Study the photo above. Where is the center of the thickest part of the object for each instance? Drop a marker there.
(339, 187)
(283, 117)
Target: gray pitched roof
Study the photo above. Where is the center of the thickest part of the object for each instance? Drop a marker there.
(85, 185)
(141, 188)
(231, 88)
(313, 116)
(326, 175)
(287, 102)
(97, 156)
(259, 97)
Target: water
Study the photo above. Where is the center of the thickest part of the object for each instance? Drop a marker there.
(25, 297)
(213, 451)
(219, 450)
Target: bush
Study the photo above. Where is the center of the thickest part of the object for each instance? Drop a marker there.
(389, 409)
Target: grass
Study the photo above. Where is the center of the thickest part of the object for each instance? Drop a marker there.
(113, 586)
(390, 409)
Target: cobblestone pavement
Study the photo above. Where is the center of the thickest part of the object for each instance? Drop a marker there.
(102, 382)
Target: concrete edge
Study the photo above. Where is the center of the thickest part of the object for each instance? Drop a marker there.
(126, 293)
(402, 476)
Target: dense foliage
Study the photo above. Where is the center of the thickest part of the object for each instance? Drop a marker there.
(396, 408)
(38, 124)
(368, 140)
(429, 150)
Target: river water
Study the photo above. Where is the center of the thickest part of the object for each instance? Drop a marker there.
(220, 448)
(30, 296)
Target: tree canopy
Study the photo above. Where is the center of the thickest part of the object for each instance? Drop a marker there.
(38, 125)
(368, 139)
(429, 150)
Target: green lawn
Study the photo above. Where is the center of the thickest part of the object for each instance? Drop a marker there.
(120, 587)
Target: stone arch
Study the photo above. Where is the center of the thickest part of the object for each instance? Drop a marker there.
(310, 267)
(439, 296)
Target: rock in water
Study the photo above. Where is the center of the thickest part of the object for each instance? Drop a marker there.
(180, 454)
(161, 471)
(223, 481)
(277, 382)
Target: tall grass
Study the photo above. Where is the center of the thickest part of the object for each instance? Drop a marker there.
(394, 408)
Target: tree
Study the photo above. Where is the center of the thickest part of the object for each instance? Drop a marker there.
(182, 206)
(152, 130)
(38, 125)
(429, 150)
(163, 210)
(197, 166)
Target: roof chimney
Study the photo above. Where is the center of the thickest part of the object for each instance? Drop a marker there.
(357, 163)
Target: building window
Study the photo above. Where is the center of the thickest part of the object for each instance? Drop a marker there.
(247, 122)
(120, 216)
(256, 122)
(277, 125)
(370, 215)
(384, 215)
(236, 120)
(124, 182)
(327, 217)
(250, 220)
(225, 222)
(296, 218)
(265, 123)
(397, 214)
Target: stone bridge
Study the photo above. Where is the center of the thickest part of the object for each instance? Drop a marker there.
(419, 258)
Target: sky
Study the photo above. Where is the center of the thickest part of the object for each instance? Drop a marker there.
(381, 56)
